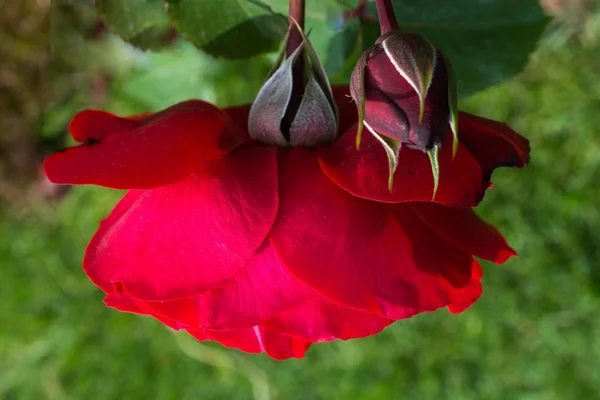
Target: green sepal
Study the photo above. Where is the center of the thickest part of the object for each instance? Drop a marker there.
(317, 69)
(392, 150)
(433, 154)
(280, 57)
(357, 90)
(414, 58)
(452, 102)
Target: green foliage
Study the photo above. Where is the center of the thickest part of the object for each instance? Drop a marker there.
(487, 41)
(144, 23)
(500, 35)
(232, 29)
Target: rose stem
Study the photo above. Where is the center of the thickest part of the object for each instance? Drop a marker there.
(296, 16)
(387, 18)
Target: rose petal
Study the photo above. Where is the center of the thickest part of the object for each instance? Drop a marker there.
(140, 154)
(492, 143)
(320, 320)
(463, 228)
(470, 293)
(449, 273)
(96, 124)
(370, 256)
(260, 290)
(346, 107)
(186, 238)
(257, 340)
(126, 303)
(364, 172)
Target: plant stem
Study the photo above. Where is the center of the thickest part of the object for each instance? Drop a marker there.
(297, 14)
(387, 18)
(295, 20)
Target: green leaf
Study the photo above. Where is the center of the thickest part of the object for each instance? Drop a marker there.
(486, 41)
(144, 23)
(232, 29)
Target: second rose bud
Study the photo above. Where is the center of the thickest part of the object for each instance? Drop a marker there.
(405, 91)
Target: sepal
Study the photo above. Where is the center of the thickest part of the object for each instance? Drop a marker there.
(414, 58)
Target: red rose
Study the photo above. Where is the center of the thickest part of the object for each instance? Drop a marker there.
(269, 249)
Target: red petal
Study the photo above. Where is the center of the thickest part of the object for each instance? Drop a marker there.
(463, 228)
(492, 143)
(126, 303)
(140, 154)
(96, 124)
(186, 238)
(364, 172)
(123, 303)
(257, 340)
(470, 293)
(319, 320)
(347, 112)
(371, 256)
(259, 291)
(239, 115)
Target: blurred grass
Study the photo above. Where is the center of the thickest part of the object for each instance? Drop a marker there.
(535, 334)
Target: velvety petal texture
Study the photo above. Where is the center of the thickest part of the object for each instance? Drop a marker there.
(364, 172)
(365, 255)
(185, 238)
(267, 249)
(143, 153)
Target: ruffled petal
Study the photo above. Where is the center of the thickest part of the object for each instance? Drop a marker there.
(468, 294)
(128, 304)
(257, 339)
(320, 320)
(186, 238)
(446, 272)
(364, 172)
(259, 291)
(143, 153)
(365, 255)
(492, 143)
(463, 228)
(96, 124)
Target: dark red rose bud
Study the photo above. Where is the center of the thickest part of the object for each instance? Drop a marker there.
(405, 91)
(313, 119)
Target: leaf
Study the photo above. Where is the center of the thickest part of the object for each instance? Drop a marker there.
(486, 41)
(143, 23)
(232, 29)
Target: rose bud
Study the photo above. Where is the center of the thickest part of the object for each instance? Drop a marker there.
(405, 92)
(295, 106)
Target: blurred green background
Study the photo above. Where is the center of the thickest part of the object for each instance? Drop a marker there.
(535, 333)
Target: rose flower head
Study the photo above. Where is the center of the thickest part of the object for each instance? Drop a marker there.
(268, 230)
(405, 91)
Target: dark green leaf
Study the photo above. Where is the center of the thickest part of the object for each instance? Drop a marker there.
(231, 29)
(143, 23)
(487, 42)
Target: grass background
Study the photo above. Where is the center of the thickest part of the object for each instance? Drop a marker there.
(535, 333)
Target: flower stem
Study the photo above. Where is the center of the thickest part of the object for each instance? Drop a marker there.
(297, 14)
(295, 20)
(387, 18)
